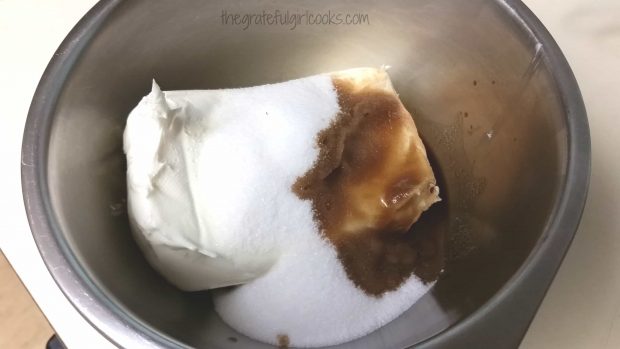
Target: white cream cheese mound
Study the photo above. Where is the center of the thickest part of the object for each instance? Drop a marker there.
(210, 178)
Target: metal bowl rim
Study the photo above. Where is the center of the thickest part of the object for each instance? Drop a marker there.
(124, 330)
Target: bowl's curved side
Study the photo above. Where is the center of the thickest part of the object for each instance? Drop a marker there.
(92, 304)
(487, 326)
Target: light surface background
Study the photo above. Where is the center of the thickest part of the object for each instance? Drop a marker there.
(582, 308)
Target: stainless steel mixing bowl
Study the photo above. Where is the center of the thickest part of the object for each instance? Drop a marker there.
(492, 95)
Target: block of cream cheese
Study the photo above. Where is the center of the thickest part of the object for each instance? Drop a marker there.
(286, 190)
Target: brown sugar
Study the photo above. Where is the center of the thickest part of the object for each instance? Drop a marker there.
(283, 341)
(371, 182)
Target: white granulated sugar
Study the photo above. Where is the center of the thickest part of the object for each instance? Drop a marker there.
(308, 297)
(210, 201)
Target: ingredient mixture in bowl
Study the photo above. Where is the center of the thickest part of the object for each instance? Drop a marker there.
(293, 202)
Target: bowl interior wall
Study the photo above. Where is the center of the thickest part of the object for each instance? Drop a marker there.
(477, 85)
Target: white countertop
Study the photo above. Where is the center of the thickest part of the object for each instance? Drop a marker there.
(582, 307)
